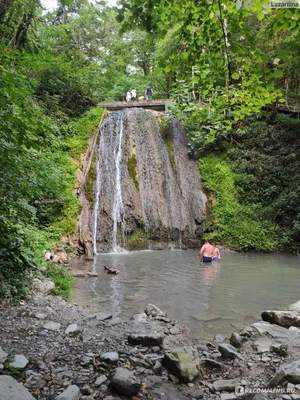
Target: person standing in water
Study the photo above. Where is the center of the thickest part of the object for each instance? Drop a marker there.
(216, 253)
(206, 252)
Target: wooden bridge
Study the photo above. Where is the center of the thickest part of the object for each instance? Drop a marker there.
(292, 105)
(158, 105)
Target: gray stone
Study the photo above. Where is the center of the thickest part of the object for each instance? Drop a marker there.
(71, 393)
(198, 394)
(138, 362)
(227, 350)
(43, 287)
(236, 340)
(285, 397)
(295, 307)
(73, 330)
(125, 382)
(281, 318)
(227, 396)
(154, 311)
(139, 318)
(277, 378)
(280, 349)
(262, 345)
(184, 362)
(100, 380)
(10, 389)
(219, 338)
(209, 362)
(103, 316)
(51, 326)
(40, 316)
(157, 367)
(153, 381)
(255, 396)
(19, 362)
(110, 357)
(292, 371)
(175, 330)
(146, 337)
(228, 385)
(174, 379)
(3, 355)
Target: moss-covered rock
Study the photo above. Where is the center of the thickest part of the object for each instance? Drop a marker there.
(132, 170)
(91, 178)
(165, 125)
(137, 240)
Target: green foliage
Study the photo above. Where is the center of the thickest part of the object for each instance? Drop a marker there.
(137, 240)
(62, 278)
(239, 226)
(80, 131)
(132, 170)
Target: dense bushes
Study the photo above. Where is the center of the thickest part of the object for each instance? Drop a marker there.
(240, 226)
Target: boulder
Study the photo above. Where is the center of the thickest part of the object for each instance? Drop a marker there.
(125, 382)
(19, 362)
(110, 357)
(63, 256)
(139, 318)
(184, 362)
(71, 393)
(10, 389)
(3, 355)
(295, 307)
(275, 331)
(282, 318)
(51, 326)
(153, 311)
(43, 287)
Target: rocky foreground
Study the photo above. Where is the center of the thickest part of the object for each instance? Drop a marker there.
(56, 351)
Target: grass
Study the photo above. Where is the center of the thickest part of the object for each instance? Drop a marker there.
(62, 278)
(137, 240)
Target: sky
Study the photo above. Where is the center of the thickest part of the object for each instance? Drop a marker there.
(51, 4)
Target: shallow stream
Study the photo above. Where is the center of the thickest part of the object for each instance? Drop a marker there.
(221, 297)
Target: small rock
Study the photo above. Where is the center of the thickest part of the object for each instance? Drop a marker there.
(219, 338)
(209, 362)
(19, 362)
(10, 389)
(125, 382)
(175, 330)
(86, 390)
(228, 385)
(92, 274)
(110, 357)
(285, 397)
(157, 367)
(138, 362)
(154, 311)
(295, 307)
(71, 393)
(51, 326)
(198, 394)
(292, 371)
(103, 316)
(100, 380)
(227, 396)
(227, 350)
(153, 381)
(40, 316)
(236, 340)
(174, 379)
(262, 345)
(73, 330)
(282, 318)
(280, 349)
(276, 379)
(3, 355)
(139, 318)
(104, 389)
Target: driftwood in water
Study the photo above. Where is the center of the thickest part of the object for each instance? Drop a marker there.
(111, 270)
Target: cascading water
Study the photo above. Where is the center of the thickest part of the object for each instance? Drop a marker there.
(118, 209)
(147, 188)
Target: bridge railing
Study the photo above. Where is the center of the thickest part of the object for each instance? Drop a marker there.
(122, 97)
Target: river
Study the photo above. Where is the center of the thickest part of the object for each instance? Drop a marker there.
(221, 297)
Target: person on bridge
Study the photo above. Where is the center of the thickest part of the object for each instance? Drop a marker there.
(128, 96)
(148, 93)
(133, 94)
(206, 252)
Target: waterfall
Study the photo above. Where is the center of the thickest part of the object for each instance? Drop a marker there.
(147, 188)
(118, 209)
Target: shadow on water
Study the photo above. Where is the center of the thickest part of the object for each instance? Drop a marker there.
(209, 298)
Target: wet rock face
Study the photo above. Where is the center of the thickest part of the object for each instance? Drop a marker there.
(147, 183)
